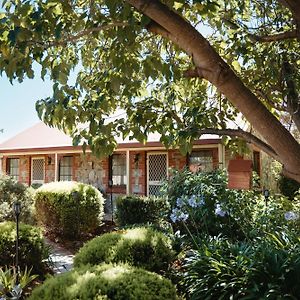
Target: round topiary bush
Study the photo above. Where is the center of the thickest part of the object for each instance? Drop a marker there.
(11, 191)
(32, 249)
(150, 210)
(68, 208)
(141, 247)
(117, 282)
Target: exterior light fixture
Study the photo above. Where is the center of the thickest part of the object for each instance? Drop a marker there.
(266, 194)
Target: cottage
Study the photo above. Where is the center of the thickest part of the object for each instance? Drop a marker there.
(42, 154)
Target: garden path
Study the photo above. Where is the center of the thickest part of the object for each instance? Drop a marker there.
(61, 258)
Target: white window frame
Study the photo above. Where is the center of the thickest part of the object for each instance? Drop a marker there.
(37, 181)
(15, 176)
(126, 170)
(71, 167)
(197, 165)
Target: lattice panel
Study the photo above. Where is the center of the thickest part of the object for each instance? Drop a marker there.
(157, 167)
(38, 169)
(154, 190)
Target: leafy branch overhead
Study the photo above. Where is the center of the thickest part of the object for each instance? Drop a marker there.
(181, 68)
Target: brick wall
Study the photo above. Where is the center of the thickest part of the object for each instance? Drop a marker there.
(176, 160)
(91, 170)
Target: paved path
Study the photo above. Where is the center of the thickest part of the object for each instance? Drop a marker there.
(61, 258)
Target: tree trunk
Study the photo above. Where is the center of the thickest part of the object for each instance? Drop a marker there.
(212, 67)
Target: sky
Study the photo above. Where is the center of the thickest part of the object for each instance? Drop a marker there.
(17, 104)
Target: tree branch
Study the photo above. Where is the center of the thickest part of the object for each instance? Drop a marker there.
(270, 102)
(247, 136)
(294, 7)
(193, 73)
(73, 38)
(292, 34)
(218, 72)
(293, 101)
(94, 29)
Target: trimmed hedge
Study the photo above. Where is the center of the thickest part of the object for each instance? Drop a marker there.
(69, 209)
(140, 210)
(140, 247)
(117, 282)
(10, 191)
(32, 249)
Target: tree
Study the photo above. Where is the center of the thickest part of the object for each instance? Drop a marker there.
(148, 61)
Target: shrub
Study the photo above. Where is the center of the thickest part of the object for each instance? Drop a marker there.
(266, 268)
(279, 213)
(11, 191)
(118, 282)
(32, 249)
(288, 187)
(69, 208)
(203, 205)
(150, 210)
(141, 247)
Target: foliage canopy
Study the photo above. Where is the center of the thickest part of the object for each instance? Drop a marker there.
(133, 67)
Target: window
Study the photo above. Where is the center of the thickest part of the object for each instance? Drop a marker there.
(118, 169)
(256, 162)
(65, 168)
(38, 170)
(13, 167)
(201, 160)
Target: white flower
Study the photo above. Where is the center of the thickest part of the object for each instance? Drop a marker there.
(219, 211)
(178, 215)
(179, 202)
(192, 201)
(291, 216)
(201, 202)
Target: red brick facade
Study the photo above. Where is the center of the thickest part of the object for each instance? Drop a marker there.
(88, 169)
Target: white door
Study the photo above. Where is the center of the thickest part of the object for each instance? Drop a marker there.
(157, 171)
(38, 170)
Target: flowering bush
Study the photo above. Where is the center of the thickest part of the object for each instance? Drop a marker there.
(242, 246)
(201, 204)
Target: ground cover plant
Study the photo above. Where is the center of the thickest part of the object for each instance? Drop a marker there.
(69, 209)
(141, 246)
(11, 191)
(264, 268)
(32, 249)
(117, 282)
(12, 287)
